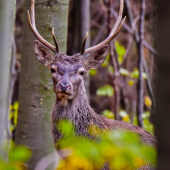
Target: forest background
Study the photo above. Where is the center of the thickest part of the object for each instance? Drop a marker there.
(122, 89)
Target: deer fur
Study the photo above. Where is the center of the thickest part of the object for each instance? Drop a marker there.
(72, 104)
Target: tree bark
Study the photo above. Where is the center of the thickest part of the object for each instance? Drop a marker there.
(137, 38)
(81, 26)
(36, 95)
(163, 85)
(116, 76)
(140, 65)
(7, 15)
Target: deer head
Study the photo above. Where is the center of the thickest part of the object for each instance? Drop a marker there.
(68, 71)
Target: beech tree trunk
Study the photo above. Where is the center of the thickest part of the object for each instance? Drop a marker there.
(36, 96)
(7, 15)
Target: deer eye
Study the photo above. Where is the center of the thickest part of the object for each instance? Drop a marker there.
(52, 70)
(81, 73)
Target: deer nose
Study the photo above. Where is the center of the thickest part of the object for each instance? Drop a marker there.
(64, 87)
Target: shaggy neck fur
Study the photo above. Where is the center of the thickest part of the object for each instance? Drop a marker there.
(79, 112)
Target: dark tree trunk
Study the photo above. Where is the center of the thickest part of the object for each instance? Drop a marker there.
(163, 85)
(81, 25)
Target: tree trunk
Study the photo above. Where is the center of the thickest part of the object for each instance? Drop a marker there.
(36, 95)
(163, 85)
(140, 89)
(7, 15)
(81, 25)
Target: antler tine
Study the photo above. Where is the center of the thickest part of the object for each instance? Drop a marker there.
(84, 43)
(31, 20)
(55, 40)
(116, 29)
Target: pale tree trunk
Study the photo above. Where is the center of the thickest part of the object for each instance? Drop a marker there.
(81, 21)
(36, 95)
(163, 85)
(7, 15)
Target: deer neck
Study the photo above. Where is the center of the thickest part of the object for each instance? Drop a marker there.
(77, 110)
(74, 109)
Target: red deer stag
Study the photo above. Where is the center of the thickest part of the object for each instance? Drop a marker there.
(67, 75)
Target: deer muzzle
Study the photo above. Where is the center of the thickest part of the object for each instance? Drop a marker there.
(64, 90)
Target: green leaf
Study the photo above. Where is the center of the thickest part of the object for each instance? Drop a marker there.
(93, 72)
(106, 61)
(135, 74)
(111, 69)
(120, 51)
(19, 153)
(108, 114)
(106, 90)
(122, 149)
(66, 128)
(124, 72)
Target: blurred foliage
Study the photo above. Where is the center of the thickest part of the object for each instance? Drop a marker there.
(148, 101)
(110, 69)
(125, 117)
(135, 74)
(93, 72)
(13, 115)
(108, 114)
(124, 72)
(147, 125)
(17, 157)
(106, 62)
(131, 82)
(120, 49)
(106, 90)
(121, 150)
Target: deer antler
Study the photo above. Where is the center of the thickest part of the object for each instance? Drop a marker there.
(116, 29)
(32, 25)
(84, 43)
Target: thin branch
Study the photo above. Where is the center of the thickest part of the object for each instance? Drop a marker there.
(100, 33)
(149, 86)
(129, 9)
(150, 48)
(130, 31)
(140, 65)
(125, 26)
(115, 80)
(130, 40)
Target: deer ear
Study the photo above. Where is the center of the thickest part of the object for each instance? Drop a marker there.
(96, 59)
(43, 54)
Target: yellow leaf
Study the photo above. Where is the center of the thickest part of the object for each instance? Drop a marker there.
(148, 101)
(131, 82)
